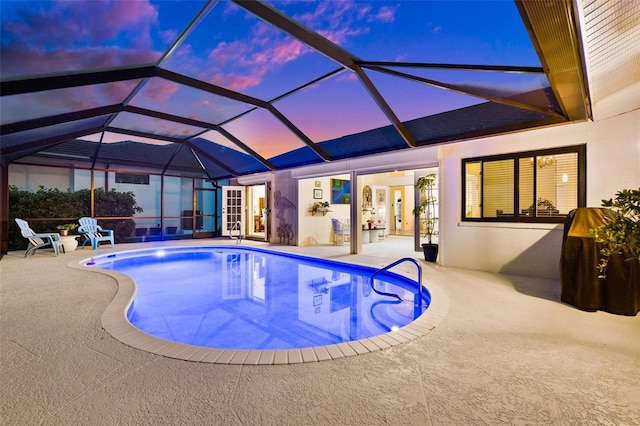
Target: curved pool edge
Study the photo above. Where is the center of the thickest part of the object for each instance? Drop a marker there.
(115, 323)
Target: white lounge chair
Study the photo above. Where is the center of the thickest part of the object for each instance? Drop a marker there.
(341, 231)
(93, 233)
(38, 241)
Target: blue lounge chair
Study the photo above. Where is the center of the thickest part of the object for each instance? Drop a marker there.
(38, 241)
(93, 233)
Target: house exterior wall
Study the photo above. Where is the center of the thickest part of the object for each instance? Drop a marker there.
(284, 208)
(317, 229)
(613, 163)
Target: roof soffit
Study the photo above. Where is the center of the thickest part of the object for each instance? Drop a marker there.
(553, 29)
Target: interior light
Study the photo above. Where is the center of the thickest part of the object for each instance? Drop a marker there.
(546, 161)
(565, 177)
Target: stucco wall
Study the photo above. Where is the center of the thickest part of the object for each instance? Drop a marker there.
(284, 207)
(613, 163)
(317, 229)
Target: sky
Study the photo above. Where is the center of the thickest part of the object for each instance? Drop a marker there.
(233, 49)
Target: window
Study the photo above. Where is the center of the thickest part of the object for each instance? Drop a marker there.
(132, 178)
(534, 186)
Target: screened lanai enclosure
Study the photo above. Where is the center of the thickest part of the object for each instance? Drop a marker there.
(181, 97)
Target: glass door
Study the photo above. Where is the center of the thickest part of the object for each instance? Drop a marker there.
(257, 212)
(204, 216)
(233, 210)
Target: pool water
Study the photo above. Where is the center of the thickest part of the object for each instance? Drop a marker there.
(231, 297)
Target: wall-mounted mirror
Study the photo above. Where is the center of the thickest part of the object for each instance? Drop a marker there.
(367, 198)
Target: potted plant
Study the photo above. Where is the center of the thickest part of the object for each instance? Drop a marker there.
(426, 210)
(65, 228)
(543, 207)
(320, 206)
(621, 231)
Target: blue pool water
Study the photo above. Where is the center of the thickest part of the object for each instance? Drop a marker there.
(232, 297)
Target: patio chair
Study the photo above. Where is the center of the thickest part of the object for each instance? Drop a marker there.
(93, 233)
(38, 241)
(341, 230)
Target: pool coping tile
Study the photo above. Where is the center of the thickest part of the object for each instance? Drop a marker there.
(376, 340)
(308, 355)
(253, 358)
(115, 322)
(239, 357)
(226, 356)
(199, 354)
(346, 349)
(388, 338)
(267, 357)
(358, 347)
(294, 356)
(213, 355)
(369, 344)
(321, 352)
(334, 351)
(280, 357)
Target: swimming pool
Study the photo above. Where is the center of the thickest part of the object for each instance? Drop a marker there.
(245, 298)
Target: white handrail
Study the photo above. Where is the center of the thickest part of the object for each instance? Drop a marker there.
(236, 226)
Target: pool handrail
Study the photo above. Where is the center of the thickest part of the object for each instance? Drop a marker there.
(236, 226)
(418, 299)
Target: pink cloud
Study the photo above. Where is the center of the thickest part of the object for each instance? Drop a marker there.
(245, 61)
(386, 14)
(69, 35)
(287, 51)
(169, 36)
(237, 82)
(92, 22)
(230, 52)
(160, 90)
(340, 21)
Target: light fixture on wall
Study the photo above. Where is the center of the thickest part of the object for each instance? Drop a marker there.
(545, 161)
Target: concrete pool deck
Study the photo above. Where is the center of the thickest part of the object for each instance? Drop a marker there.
(506, 351)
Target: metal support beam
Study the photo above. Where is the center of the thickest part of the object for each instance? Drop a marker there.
(299, 31)
(248, 150)
(12, 153)
(210, 158)
(319, 151)
(4, 206)
(386, 109)
(22, 126)
(510, 69)
(210, 88)
(75, 79)
(468, 91)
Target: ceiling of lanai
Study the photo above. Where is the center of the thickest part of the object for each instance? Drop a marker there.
(222, 89)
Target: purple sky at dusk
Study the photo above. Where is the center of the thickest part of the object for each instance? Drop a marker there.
(234, 49)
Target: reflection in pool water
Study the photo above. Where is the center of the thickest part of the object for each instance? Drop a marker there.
(246, 298)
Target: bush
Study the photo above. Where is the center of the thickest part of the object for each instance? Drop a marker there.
(621, 231)
(61, 206)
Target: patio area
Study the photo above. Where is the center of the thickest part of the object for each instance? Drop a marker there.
(506, 352)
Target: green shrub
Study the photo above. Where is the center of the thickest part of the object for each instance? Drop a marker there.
(64, 206)
(621, 231)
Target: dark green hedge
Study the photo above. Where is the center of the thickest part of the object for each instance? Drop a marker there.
(65, 207)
